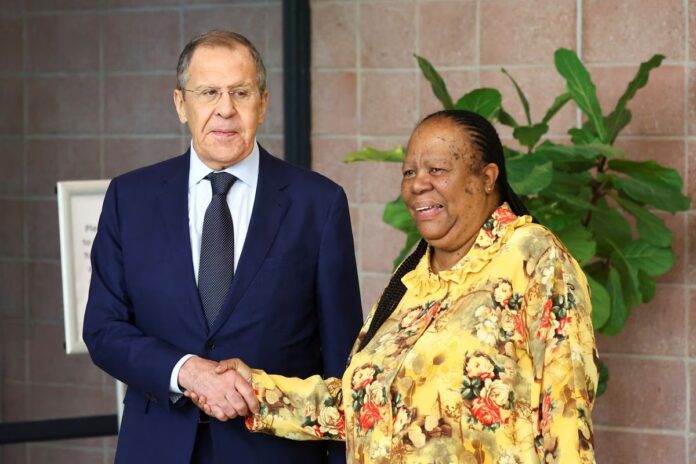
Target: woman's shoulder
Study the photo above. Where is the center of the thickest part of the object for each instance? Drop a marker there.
(535, 243)
(533, 235)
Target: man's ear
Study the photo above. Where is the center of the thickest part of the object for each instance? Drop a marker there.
(263, 106)
(178, 96)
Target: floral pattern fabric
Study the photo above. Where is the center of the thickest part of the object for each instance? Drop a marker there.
(490, 362)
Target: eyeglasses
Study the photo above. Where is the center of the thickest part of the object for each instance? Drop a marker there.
(211, 95)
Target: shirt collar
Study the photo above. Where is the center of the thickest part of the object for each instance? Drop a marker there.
(494, 233)
(247, 170)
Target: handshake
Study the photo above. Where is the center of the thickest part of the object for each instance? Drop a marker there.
(220, 389)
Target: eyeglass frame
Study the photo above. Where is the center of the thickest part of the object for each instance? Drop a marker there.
(199, 94)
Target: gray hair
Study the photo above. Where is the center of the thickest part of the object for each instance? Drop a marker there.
(221, 38)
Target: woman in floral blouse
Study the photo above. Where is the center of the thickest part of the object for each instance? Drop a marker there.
(480, 350)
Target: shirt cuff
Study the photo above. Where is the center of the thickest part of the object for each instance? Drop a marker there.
(174, 379)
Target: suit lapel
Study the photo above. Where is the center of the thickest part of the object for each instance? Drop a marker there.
(173, 205)
(270, 206)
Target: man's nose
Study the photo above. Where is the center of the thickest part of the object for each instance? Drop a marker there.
(226, 106)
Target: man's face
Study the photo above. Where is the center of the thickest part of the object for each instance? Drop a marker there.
(223, 131)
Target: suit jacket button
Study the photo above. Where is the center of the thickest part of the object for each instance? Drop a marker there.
(210, 345)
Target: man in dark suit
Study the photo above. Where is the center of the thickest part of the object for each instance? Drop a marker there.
(224, 251)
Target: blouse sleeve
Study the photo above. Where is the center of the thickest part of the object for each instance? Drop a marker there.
(298, 409)
(562, 345)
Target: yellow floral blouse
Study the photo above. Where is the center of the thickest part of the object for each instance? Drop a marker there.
(493, 361)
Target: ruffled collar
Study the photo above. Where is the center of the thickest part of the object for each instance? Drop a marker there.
(493, 234)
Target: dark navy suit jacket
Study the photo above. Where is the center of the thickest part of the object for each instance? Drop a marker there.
(293, 306)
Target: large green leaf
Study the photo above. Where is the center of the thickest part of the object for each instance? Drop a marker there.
(619, 312)
(506, 118)
(640, 79)
(486, 102)
(610, 228)
(558, 103)
(554, 219)
(572, 184)
(650, 182)
(581, 136)
(527, 175)
(652, 192)
(396, 215)
(588, 152)
(647, 286)
(436, 82)
(530, 135)
(620, 117)
(576, 166)
(651, 228)
(648, 170)
(395, 155)
(576, 203)
(581, 88)
(579, 242)
(411, 239)
(523, 98)
(601, 303)
(628, 273)
(615, 123)
(649, 258)
(603, 378)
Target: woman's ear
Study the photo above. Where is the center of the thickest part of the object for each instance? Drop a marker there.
(490, 175)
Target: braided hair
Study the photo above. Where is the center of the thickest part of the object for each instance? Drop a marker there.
(487, 143)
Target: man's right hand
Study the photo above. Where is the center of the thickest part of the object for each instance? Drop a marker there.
(228, 394)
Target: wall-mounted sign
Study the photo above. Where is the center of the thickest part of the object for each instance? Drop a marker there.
(79, 206)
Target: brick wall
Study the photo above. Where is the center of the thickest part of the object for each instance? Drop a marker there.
(367, 90)
(85, 92)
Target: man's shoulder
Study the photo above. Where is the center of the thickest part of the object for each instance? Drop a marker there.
(301, 178)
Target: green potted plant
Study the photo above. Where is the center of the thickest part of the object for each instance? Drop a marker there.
(584, 191)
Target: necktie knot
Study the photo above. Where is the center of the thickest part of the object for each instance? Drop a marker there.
(221, 182)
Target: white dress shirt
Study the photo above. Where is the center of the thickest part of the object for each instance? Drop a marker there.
(240, 200)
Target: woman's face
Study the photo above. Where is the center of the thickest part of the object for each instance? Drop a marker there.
(447, 188)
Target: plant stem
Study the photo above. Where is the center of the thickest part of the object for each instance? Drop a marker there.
(597, 188)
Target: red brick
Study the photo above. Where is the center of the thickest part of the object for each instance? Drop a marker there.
(380, 243)
(73, 110)
(140, 105)
(51, 160)
(523, 32)
(334, 106)
(333, 35)
(658, 108)
(615, 30)
(643, 393)
(12, 167)
(12, 232)
(387, 34)
(127, 154)
(447, 32)
(327, 158)
(636, 448)
(57, 43)
(655, 328)
(41, 222)
(49, 363)
(389, 103)
(136, 41)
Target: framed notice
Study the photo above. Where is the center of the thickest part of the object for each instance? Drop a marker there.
(79, 206)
